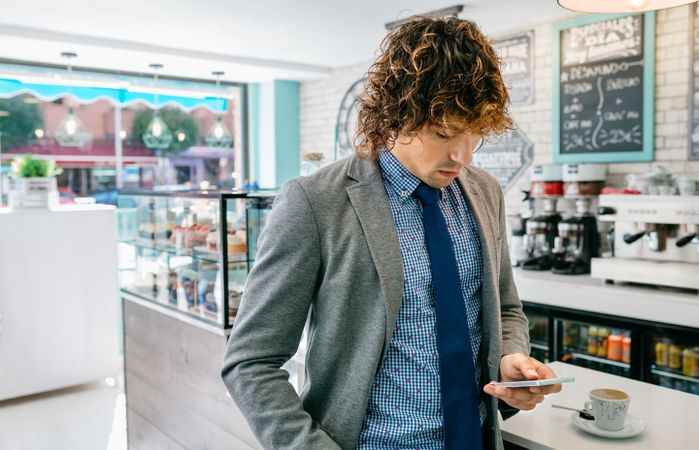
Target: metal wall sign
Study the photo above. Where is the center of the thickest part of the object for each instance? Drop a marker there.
(346, 124)
(517, 55)
(506, 157)
(604, 88)
(694, 77)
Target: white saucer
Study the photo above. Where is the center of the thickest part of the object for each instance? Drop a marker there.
(632, 426)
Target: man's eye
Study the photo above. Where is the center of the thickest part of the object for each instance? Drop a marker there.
(442, 135)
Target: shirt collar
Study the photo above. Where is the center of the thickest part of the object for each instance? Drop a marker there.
(399, 178)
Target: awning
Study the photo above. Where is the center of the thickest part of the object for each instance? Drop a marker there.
(50, 84)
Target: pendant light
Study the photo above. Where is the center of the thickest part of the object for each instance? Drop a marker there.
(157, 134)
(71, 132)
(218, 135)
(619, 6)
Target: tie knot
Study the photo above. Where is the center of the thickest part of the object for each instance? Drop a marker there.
(427, 194)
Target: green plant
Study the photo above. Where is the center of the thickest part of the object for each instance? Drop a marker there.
(28, 167)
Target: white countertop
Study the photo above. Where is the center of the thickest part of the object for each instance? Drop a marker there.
(591, 294)
(60, 209)
(672, 417)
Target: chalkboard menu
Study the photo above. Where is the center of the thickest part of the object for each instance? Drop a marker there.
(694, 107)
(505, 157)
(517, 55)
(604, 97)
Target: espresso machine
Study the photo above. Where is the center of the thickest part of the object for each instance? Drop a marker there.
(542, 228)
(655, 240)
(578, 237)
(578, 241)
(542, 231)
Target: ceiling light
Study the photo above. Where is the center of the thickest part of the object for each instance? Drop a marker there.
(71, 132)
(619, 6)
(4, 113)
(157, 135)
(218, 135)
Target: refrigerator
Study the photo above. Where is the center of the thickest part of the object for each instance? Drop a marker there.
(673, 359)
(661, 354)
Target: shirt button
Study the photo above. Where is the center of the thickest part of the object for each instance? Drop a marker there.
(403, 193)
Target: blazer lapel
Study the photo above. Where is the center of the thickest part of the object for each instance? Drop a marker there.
(371, 204)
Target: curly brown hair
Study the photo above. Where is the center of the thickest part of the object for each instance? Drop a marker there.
(431, 73)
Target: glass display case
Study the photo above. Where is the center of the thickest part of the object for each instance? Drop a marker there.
(190, 251)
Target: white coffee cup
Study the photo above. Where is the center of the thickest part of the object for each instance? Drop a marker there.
(609, 406)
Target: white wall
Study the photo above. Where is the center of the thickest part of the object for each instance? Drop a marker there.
(320, 101)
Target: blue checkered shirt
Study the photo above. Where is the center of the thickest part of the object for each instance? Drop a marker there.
(405, 405)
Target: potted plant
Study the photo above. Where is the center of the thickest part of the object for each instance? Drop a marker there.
(33, 183)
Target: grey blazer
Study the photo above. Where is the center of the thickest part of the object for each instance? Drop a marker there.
(331, 247)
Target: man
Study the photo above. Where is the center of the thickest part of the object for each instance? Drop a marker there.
(399, 255)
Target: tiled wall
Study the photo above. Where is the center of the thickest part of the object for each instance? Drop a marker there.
(320, 101)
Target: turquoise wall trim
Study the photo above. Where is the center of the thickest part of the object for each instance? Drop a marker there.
(274, 132)
(254, 131)
(287, 134)
(648, 93)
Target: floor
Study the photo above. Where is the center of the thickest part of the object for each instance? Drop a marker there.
(87, 417)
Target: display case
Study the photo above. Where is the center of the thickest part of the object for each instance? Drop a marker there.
(596, 345)
(657, 353)
(674, 359)
(190, 251)
(539, 333)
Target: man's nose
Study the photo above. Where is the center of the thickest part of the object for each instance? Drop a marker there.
(462, 153)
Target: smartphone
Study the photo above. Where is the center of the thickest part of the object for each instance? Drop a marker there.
(530, 383)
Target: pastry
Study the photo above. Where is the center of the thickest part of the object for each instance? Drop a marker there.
(236, 242)
(212, 240)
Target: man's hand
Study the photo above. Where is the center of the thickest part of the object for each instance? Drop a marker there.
(517, 367)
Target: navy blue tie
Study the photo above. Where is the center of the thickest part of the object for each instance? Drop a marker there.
(460, 399)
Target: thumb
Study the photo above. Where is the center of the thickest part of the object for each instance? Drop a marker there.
(526, 366)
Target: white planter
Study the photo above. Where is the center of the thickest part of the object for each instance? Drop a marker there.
(33, 193)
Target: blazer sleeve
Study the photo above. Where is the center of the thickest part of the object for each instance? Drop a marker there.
(269, 324)
(515, 326)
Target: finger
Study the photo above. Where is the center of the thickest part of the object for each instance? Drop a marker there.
(522, 395)
(526, 405)
(496, 391)
(544, 372)
(528, 367)
(524, 365)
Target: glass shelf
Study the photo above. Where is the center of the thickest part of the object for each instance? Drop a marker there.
(677, 376)
(597, 359)
(197, 252)
(539, 346)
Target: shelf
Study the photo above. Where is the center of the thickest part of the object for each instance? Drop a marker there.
(192, 312)
(198, 252)
(662, 373)
(539, 346)
(598, 359)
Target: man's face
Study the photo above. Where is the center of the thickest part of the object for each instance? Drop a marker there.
(436, 155)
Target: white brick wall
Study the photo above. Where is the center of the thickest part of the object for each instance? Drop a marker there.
(320, 101)
(319, 104)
